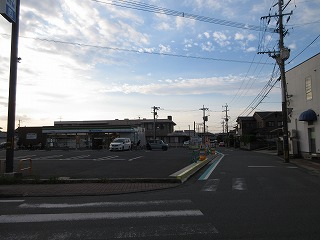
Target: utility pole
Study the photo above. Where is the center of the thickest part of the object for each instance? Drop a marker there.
(154, 108)
(12, 90)
(281, 56)
(222, 125)
(205, 119)
(226, 122)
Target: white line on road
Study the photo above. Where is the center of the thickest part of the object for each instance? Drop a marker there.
(131, 159)
(261, 166)
(47, 157)
(11, 201)
(213, 166)
(211, 185)
(169, 231)
(33, 218)
(77, 157)
(109, 158)
(239, 184)
(106, 204)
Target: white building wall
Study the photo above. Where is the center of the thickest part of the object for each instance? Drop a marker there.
(296, 86)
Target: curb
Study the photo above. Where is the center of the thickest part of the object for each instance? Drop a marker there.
(188, 171)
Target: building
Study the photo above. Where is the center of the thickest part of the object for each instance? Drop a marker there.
(263, 129)
(303, 91)
(94, 134)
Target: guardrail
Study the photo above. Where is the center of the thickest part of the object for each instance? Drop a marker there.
(21, 165)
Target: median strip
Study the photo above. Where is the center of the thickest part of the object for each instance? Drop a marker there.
(189, 170)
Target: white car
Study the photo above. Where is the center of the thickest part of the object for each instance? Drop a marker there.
(120, 144)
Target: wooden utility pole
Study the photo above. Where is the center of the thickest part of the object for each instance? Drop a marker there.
(281, 56)
(226, 123)
(154, 111)
(205, 119)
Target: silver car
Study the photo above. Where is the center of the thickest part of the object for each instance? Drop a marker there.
(157, 144)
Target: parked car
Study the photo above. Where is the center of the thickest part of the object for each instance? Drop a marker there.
(186, 144)
(120, 144)
(157, 144)
(3, 145)
(221, 144)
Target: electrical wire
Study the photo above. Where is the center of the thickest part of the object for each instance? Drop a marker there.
(304, 49)
(160, 10)
(135, 51)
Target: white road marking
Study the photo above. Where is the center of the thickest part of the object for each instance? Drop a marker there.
(131, 159)
(77, 157)
(262, 166)
(239, 184)
(46, 157)
(26, 156)
(109, 158)
(170, 230)
(213, 166)
(105, 204)
(11, 201)
(34, 218)
(211, 185)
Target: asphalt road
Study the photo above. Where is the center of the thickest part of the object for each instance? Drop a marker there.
(103, 163)
(245, 195)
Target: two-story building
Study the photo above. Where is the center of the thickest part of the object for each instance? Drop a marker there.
(303, 91)
(260, 130)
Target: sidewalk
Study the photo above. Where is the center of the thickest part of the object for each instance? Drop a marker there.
(312, 166)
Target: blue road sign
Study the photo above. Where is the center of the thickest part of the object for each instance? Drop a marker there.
(8, 9)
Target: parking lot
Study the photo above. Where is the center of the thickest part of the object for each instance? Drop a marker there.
(103, 163)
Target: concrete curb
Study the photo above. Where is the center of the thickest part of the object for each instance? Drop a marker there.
(188, 171)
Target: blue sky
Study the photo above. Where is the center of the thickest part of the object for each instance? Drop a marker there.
(92, 60)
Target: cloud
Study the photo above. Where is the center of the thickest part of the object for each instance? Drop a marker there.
(164, 49)
(221, 39)
(208, 46)
(206, 34)
(224, 85)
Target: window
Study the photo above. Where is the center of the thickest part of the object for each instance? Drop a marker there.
(279, 123)
(308, 88)
(270, 124)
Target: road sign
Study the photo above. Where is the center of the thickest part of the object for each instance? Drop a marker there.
(8, 10)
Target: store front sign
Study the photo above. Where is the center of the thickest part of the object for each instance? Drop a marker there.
(8, 10)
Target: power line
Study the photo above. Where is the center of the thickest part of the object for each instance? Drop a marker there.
(160, 10)
(136, 51)
(304, 49)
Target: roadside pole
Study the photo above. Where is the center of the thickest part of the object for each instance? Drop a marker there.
(12, 91)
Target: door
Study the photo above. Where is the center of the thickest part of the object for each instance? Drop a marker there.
(312, 140)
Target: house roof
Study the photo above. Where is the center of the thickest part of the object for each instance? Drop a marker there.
(116, 122)
(242, 119)
(264, 115)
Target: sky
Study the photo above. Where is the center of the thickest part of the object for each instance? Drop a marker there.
(102, 60)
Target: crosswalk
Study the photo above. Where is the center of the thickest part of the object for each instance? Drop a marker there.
(256, 183)
(87, 157)
(237, 184)
(143, 219)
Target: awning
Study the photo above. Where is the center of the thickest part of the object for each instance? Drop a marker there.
(308, 116)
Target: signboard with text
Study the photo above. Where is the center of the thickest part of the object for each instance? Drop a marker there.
(8, 9)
